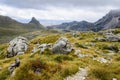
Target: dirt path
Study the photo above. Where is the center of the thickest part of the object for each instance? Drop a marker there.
(80, 75)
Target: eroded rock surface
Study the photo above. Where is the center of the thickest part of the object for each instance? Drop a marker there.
(17, 46)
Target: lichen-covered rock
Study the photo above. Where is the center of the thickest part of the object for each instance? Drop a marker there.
(62, 46)
(17, 46)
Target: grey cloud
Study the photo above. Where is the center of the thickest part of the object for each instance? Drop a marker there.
(37, 4)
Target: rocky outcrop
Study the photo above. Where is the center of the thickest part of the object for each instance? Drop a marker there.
(110, 20)
(17, 46)
(62, 46)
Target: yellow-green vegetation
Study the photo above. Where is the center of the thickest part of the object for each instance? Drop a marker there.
(58, 66)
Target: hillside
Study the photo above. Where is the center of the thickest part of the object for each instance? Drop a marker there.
(99, 57)
(10, 27)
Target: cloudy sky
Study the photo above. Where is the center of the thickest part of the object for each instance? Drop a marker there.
(55, 11)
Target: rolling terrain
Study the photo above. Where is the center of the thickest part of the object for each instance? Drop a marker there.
(10, 28)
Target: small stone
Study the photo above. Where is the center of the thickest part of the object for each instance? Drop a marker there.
(77, 52)
(114, 79)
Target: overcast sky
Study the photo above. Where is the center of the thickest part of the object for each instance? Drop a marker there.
(60, 10)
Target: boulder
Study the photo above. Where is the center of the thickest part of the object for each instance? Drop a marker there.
(62, 45)
(17, 46)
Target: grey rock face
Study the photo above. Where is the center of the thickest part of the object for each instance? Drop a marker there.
(62, 46)
(17, 46)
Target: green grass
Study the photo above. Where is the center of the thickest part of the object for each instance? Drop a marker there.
(58, 66)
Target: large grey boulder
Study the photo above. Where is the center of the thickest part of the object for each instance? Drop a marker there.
(17, 46)
(62, 46)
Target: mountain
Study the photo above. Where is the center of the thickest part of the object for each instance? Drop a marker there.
(78, 26)
(10, 28)
(110, 20)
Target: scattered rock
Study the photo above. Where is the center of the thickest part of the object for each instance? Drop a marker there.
(84, 55)
(44, 46)
(13, 66)
(92, 44)
(62, 46)
(77, 52)
(112, 37)
(17, 46)
(100, 39)
(75, 35)
(101, 60)
(35, 50)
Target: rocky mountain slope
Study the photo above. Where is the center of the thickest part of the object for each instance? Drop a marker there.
(78, 26)
(110, 20)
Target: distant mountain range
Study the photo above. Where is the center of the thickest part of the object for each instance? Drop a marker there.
(110, 20)
(9, 26)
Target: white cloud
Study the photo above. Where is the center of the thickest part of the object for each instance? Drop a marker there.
(56, 13)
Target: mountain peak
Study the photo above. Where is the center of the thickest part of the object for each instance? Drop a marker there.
(114, 12)
(34, 21)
